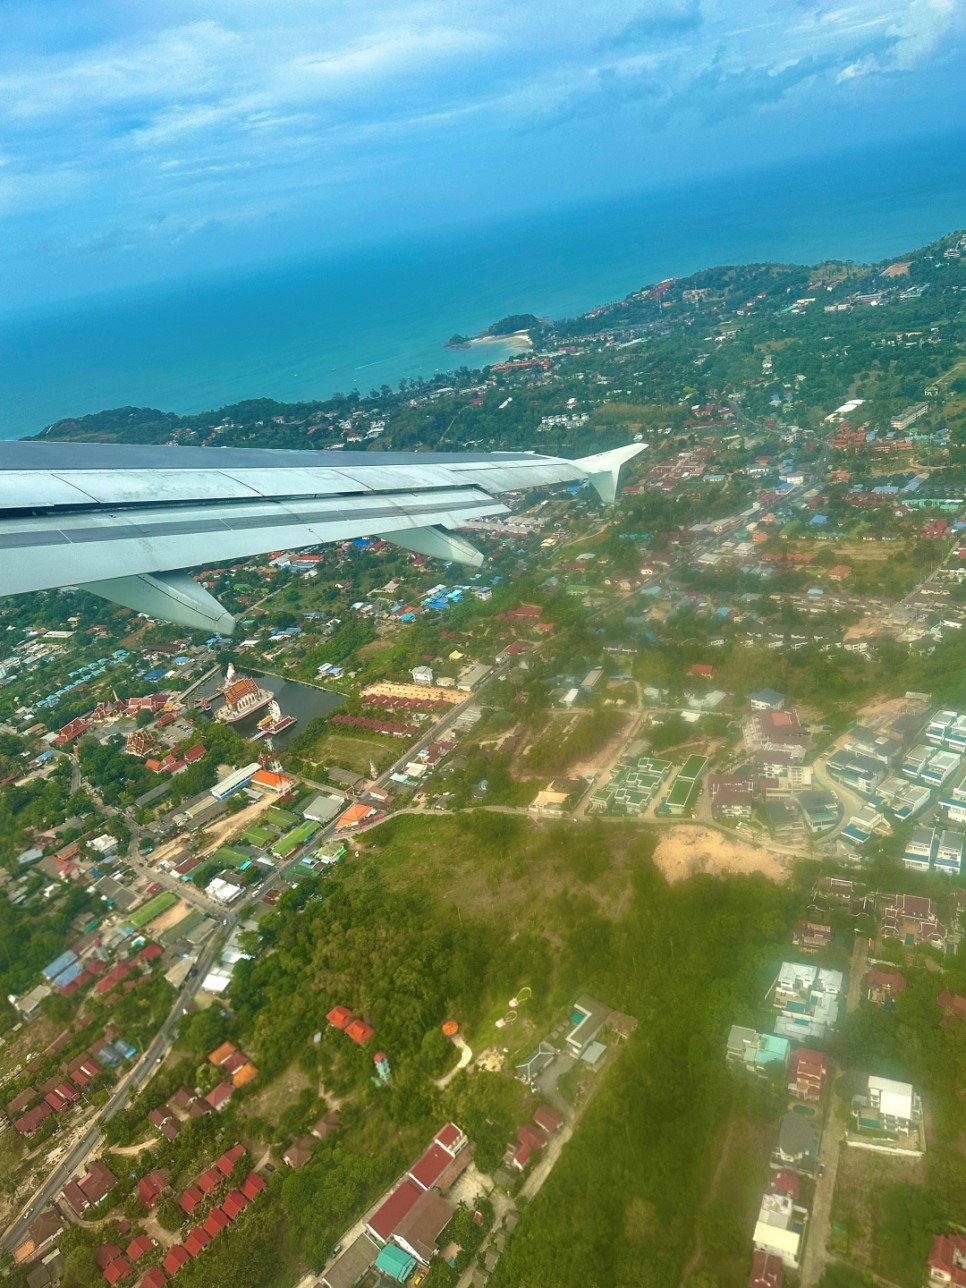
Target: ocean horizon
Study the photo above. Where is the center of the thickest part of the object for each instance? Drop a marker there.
(373, 315)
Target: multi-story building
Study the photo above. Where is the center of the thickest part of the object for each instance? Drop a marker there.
(920, 848)
(861, 773)
(807, 998)
(949, 852)
(808, 1074)
(777, 731)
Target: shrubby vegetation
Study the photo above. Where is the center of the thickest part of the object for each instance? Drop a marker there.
(383, 938)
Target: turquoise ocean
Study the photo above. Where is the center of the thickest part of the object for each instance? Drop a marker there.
(359, 319)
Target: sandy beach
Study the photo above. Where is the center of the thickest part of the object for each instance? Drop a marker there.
(520, 338)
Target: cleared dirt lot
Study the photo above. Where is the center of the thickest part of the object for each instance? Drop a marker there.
(689, 849)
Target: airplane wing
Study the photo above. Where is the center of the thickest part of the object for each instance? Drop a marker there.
(121, 521)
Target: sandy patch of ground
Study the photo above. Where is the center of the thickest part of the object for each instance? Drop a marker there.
(883, 711)
(219, 833)
(687, 850)
(177, 912)
(491, 1060)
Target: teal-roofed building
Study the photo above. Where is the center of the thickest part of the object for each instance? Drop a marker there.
(395, 1264)
(756, 1052)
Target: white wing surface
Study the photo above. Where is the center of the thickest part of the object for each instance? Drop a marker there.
(122, 521)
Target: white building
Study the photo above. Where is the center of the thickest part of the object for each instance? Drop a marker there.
(897, 1103)
(234, 781)
(779, 1229)
(422, 675)
(223, 891)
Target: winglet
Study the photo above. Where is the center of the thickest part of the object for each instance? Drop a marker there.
(603, 469)
(172, 596)
(437, 543)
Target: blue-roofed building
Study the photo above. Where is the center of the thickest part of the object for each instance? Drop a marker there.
(767, 700)
(68, 975)
(59, 964)
(158, 673)
(395, 1264)
(818, 520)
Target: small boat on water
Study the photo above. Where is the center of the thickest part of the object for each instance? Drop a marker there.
(274, 723)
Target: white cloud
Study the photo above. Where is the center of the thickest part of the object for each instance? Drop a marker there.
(126, 110)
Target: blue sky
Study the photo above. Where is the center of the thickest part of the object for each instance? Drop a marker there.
(144, 142)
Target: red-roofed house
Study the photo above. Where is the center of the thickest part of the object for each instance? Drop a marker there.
(151, 1186)
(531, 1136)
(431, 1166)
(28, 1123)
(704, 670)
(451, 1137)
(785, 1182)
(391, 1211)
(884, 986)
(252, 1185)
(548, 1119)
(105, 1254)
(176, 1258)
(521, 1156)
(138, 1246)
(359, 1031)
(339, 1016)
(234, 1204)
(190, 1199)
(210, 1180)
(947, 1260)
(221, 1095)
(808, 1073)
(766, 1271)
(92, 1187)
(119, 1269)
(215, 1222)
(229, 1158)
(196, 1240)
(154, 1278)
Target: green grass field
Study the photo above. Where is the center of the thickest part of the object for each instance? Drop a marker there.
(153, 908)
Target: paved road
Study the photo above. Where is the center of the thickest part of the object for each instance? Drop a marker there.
(820, 1222)
(128, 1086)
(816, 1245)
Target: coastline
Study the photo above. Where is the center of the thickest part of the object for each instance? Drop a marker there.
(210, 342)
(521, 339)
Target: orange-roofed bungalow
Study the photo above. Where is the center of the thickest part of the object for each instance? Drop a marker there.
(339, 1017)
(269, 781)
(221, 1053)
(244, 1074)
(359, 1031)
